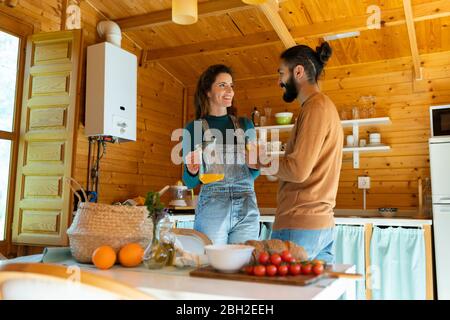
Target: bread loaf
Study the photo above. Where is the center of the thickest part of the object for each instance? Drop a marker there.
(277, 246)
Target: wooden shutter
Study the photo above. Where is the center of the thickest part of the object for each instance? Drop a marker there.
(49, 118)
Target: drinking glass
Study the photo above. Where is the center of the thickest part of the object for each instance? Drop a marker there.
(267, 113)
(355, 112)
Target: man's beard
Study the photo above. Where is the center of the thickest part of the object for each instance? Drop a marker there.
(291, 92)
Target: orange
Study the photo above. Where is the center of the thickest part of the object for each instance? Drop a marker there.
(104, 257)
(131, 255)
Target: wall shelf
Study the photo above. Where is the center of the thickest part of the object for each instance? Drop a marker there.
(345, 124)
(276, 153)
(365, 122)
(369, 148)
(355, 124)
(284, 127)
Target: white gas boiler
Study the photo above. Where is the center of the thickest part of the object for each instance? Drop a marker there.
(111, 92)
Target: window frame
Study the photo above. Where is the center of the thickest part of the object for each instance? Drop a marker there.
(21, 30)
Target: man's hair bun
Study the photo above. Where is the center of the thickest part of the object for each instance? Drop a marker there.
(324, 52)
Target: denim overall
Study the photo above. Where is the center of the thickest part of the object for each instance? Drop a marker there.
(227, 211)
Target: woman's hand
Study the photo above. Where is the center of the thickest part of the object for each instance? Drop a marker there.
(193, 162)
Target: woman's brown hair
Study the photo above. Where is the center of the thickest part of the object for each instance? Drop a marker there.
(204, 85)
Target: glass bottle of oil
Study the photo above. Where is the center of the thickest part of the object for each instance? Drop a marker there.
(156, 255)
(167, 239)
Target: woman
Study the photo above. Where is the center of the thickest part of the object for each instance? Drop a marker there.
(227, 211)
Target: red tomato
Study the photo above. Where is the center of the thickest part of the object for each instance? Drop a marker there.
(271, 270)
(275, 259)
(259, 270)
(307, 268)
(263, 258)
(248, 270)
(318, 269)
(283, 270)
(286, 256)
(314, 262)
(295, 269)
(292, 260)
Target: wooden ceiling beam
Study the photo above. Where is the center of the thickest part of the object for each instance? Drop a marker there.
(210, 8)
(412, 39)
(216, 46)
(270, 9)
(393, 17)
(350, 71)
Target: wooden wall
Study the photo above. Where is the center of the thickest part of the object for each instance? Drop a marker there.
(129, 169)
(394, 174)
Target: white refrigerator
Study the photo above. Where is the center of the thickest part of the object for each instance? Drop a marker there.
(440, 186)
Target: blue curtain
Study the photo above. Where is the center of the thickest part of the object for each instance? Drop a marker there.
(185, 224)
(349, 249)
(265, 230)
(397, 257)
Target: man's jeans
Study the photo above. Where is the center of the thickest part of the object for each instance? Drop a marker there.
(317, 243)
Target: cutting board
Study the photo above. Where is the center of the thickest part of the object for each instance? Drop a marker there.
(299, 280)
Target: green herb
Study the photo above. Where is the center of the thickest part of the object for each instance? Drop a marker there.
(154, 204)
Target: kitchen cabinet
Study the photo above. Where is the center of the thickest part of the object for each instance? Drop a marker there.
(395, 255)
(397, 263)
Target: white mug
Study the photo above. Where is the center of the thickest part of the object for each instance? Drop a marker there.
(350, 141)
(274, 146)
(375, 138)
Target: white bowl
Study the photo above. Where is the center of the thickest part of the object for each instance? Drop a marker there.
(229, 258)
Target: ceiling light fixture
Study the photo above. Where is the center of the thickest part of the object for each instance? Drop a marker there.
(184, 11)
(254, 2)
(342, 36)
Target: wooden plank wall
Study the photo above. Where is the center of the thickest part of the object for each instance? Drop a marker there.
(394, 174)
(130, 169)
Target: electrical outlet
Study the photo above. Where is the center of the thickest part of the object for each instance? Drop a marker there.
(363, 182)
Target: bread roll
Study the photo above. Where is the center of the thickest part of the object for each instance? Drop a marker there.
(277, 246)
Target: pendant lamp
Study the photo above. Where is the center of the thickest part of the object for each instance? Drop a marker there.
(254, 2)
(184, 11)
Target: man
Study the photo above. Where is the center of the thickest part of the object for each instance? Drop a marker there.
(309, 172)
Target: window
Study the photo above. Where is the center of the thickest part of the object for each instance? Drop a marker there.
(9, 59)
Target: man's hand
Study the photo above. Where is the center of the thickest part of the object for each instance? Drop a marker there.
(255, 155)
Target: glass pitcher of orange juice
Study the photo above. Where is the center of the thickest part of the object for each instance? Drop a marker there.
(212, 167)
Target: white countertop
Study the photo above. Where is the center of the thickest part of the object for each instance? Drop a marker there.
(349, 217)
(173, 283)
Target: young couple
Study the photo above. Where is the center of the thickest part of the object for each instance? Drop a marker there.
(227, 210)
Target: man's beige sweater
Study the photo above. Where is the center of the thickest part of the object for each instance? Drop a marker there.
(309, 173)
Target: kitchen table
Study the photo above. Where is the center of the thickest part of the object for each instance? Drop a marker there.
(176, 284)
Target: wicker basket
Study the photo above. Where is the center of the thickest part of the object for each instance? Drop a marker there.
(96, 225)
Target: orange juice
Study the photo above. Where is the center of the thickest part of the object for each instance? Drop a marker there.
(211, 177)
